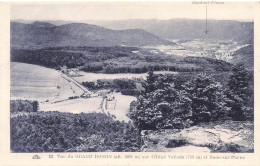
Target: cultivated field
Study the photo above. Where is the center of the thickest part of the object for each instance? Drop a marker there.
(34, 82)
(52, 89)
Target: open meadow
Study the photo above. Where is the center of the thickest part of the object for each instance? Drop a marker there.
(52, 89)
(33, 82)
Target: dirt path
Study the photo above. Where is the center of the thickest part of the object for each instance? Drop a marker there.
(70, 79)
(68, 87)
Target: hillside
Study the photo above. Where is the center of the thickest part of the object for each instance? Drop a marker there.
(40, 34)
(114, 60)
(245, 56)
(187, 29)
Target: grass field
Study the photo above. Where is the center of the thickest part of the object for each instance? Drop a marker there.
(32, 82)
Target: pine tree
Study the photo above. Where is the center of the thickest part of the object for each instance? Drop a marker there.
(35, 105)
(155, 108)
(240, 93)
(150, 82)
(205, 98)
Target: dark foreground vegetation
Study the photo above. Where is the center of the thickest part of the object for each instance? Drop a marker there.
(167, 104)
(66, 132)
(23, 106)
(115, 60)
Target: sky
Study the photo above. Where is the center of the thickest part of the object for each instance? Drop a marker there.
(132, 10)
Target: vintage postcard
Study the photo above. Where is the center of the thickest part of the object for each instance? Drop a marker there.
(129, 83)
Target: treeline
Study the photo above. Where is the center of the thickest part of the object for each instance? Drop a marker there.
(218, 65)
(67, 56)
(112, 50)
(67, 132)
(199, 65)
(124, 85)
(142, 68)
(23, 106)
(110, 69)
(139, 68)
(48, 58)
(114, 60)
(169, 103)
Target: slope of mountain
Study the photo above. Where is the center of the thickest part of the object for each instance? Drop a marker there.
(40, 34)
(54, 22)
(42, 24)
(245, 56)
(187, 29)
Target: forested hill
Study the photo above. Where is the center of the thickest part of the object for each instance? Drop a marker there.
(244, 56)
(40, 34)
(186, 29)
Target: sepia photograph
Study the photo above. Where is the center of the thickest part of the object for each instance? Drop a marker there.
(89, 78)
(131, 78)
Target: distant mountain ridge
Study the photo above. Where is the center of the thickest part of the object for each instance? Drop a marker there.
(43, 34)
(42, 24)
(184, 29)
(187, 28)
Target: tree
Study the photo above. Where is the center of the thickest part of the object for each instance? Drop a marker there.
(240, 93)
(157, 107)
(206, 98)
(200, 99)
(150, 82)
(35, 105)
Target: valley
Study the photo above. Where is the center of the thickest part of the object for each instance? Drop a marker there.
(215, 49)
(62, 90)
(78, 87)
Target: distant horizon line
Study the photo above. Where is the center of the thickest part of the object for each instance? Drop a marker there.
(239, 20)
